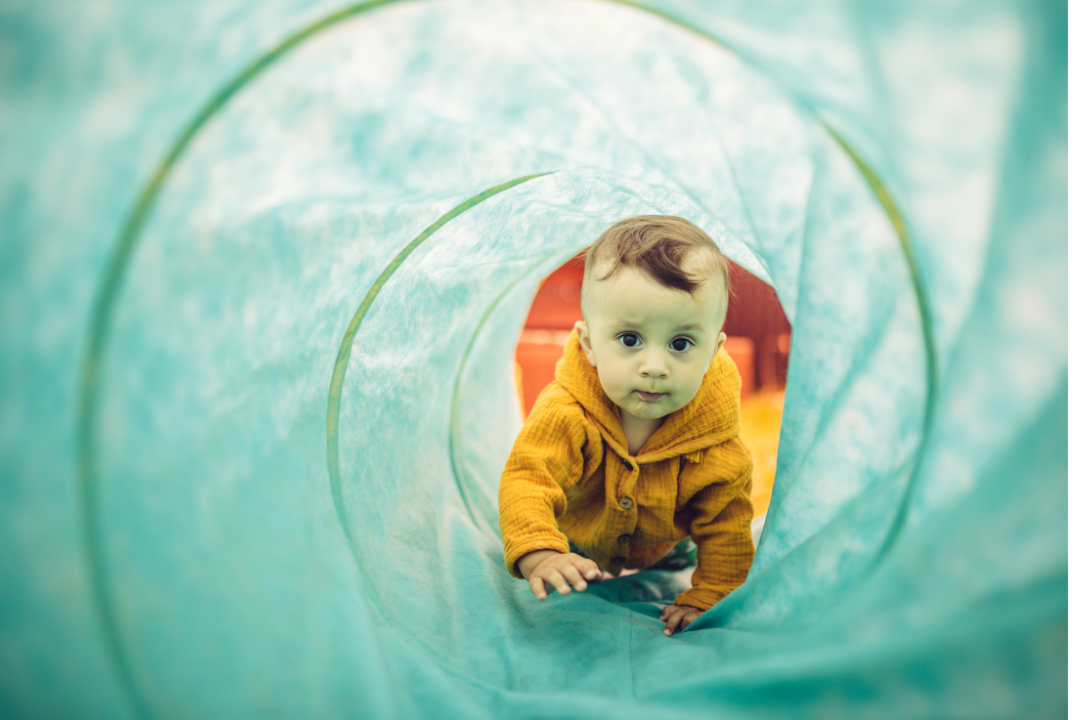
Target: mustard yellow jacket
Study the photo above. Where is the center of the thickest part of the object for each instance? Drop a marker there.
(570, 475)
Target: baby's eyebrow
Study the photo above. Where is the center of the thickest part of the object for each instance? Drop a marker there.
(636, 325)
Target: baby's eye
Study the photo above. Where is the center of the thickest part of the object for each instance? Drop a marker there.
(629, 340)
(681, 344)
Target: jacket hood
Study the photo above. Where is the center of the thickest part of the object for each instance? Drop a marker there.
(711, 418)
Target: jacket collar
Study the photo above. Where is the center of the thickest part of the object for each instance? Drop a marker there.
(711, 418)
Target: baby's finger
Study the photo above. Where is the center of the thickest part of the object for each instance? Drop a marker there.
(674, 621)
(536, 584)
(668, 609)
(574, 577)
(553, 576)
(588, 569)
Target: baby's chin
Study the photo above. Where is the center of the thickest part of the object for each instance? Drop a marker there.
(649, 410)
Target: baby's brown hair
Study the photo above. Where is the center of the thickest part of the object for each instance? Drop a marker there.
(658, 244)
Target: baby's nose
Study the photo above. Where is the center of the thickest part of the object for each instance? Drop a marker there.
(653, 366)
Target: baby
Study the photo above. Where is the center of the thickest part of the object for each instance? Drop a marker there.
(635, 446)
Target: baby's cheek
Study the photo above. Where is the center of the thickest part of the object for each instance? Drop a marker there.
(612, 388)
(682, 399)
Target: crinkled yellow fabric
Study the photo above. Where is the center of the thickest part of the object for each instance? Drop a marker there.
(570, 475)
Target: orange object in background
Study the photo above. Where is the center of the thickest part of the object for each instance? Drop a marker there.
(558, 301)
(551, 318)
(537, 352)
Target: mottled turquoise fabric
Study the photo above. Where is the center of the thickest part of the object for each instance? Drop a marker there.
(258, 309)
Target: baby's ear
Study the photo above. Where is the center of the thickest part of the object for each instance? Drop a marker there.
(720, 340)
(582, 331)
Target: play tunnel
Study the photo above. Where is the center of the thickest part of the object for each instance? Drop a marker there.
(262, 273)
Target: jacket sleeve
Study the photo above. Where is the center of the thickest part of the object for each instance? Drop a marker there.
(720, 526)
(547, 458)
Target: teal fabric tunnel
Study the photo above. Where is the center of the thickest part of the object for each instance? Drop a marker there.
(263, 269)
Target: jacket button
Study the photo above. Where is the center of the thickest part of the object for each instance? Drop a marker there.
(618, 560)
(626, 503)
(624, 538)
(627, 464)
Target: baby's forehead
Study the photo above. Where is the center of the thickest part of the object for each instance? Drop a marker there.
(630, 296)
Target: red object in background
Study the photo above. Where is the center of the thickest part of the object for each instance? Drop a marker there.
(741, 351)
(537, 352)
(558, 301)
(755, 312)
(758, 332)
(551, 319)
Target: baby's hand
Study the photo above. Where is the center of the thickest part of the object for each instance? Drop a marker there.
(560, 569)
(678, 617)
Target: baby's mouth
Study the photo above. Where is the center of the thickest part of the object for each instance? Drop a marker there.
(649, 397)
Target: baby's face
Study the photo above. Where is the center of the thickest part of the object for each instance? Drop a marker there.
(651, 345)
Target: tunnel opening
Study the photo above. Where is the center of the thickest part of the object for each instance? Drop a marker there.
(759, 341)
